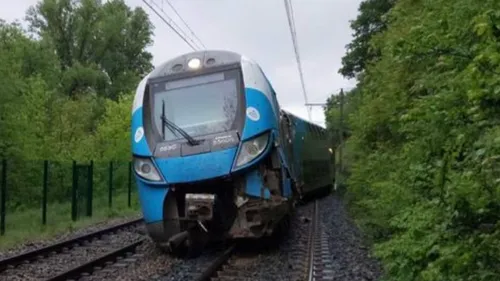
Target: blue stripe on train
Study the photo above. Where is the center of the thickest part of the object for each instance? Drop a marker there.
(151, 200)
(266, 120)
(141, 147)
(197, 167)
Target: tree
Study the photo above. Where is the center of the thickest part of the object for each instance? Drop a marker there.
(370, 21)
(66, 95)
(113, 132)
(26, 70)
(101, 47)
(425, 140)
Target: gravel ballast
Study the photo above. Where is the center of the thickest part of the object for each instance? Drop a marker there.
(149, 263)
(351, 258)
(190, 269)
(253, 260)
(39, 243)
(285, 261)
(57, 263)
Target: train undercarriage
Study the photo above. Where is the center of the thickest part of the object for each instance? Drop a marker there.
(198, 213)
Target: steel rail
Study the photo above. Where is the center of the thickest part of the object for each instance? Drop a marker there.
(212, 269)
(312, 234)
(102, 261)
(58, 247)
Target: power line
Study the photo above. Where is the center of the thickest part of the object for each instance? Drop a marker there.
(292, 16)
(185, 23)
(291, 25)
(169, 24)
(185, 35)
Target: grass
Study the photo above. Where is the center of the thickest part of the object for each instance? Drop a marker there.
(24, 226)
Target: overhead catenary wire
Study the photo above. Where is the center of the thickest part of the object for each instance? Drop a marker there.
(184, 33)
(293, 33)
(172, 21)
(171, 24)
(292, 16)
(186, 24)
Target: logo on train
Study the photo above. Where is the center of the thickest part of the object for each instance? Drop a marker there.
(139, 133)
(253, 113)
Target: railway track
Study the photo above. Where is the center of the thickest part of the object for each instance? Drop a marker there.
(309, 260)
(98, 263)
(40, 256)
(320, 261)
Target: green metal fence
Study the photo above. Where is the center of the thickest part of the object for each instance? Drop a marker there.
(59, 190)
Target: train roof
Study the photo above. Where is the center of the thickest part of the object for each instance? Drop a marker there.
(209, 58)
(220, 57)
(303, 120)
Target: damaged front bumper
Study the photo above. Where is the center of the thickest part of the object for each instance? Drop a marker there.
(257, 218)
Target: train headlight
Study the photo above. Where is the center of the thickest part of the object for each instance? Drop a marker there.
(252, 148)
(144, 168)
(194, 63)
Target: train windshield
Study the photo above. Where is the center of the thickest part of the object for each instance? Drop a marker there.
(199, 105)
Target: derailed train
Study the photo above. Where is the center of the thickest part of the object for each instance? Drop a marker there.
(214, 155)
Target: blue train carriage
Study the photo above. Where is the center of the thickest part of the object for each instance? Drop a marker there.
(212, 151)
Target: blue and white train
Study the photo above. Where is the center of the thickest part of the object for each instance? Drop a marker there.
(214, 155)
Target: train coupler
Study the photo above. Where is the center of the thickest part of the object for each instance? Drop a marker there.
(199, 206)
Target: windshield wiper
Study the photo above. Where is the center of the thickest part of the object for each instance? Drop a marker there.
(172, 127)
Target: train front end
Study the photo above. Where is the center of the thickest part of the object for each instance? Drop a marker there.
(202, 126)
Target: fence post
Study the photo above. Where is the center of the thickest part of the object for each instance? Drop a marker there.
(90, 187)
(44, 195)
(110, 188)
(3, 196)
(73, 192)
(129, 183)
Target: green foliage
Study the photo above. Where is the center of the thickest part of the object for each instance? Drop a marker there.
(67, 90)
(24, 226)
(67, 94)
(369, 22)
(99, 46)
(113, 132)
(425, 141)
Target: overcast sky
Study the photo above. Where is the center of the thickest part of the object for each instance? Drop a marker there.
(259, 30)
